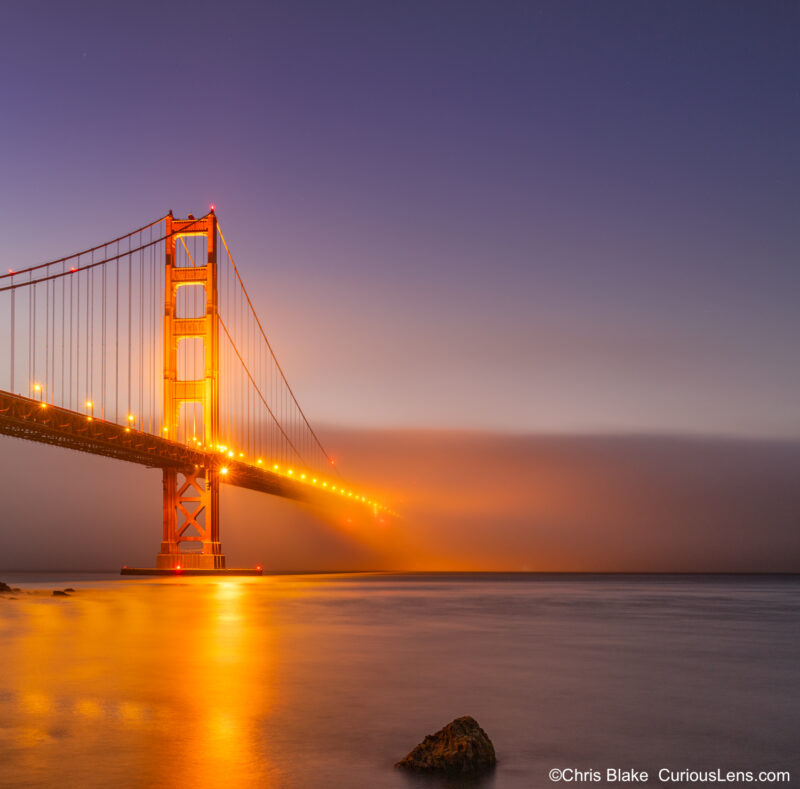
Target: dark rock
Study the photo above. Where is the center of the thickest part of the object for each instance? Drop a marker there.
(460, 748)
(69, 589)
(59, 593)
(5, 587)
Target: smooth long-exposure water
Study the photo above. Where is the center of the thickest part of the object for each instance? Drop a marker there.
(326, 681)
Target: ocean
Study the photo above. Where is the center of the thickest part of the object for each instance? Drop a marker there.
(300, 681)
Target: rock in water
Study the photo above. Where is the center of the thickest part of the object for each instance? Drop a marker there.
(460, 748)
(5, 587)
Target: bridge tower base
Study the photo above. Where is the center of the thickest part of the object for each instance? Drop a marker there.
(197, 495)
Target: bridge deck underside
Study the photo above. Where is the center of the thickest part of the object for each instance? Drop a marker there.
(25, 418)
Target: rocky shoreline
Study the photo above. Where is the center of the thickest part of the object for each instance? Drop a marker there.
(7, 592)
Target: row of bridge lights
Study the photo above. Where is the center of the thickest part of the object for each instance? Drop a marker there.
(37, 389)
(302, 477)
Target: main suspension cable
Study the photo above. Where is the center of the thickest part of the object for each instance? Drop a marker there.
(85, 251)
(76, 269)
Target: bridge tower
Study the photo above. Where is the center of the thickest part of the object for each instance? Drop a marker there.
(191, 506)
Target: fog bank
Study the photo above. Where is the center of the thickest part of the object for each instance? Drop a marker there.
(468, 501)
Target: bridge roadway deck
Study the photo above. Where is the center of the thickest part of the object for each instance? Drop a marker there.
(25, 418)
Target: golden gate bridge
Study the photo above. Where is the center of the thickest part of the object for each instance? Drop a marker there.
(147, 348)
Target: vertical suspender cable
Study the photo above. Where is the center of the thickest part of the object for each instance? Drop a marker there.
(77, 278)
(130, 282)
(250, 442)
(13, 320)
(30, 333)
(46, 339)
(153, 313)
(53, 338)
(140, 346)
(116, 341)
(103, 343)
(90, 344)
(224, 372)
(62, 360)
(239, 316)
(194, 342)
(71, 289)
(88, 391)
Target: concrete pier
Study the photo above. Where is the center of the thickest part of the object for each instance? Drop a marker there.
(194, 571)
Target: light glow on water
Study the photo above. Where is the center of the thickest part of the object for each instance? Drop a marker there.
(327, 680)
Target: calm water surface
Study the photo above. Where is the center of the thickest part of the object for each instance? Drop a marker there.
(326, 681)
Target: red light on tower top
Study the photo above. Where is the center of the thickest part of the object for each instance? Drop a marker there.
(212, 207)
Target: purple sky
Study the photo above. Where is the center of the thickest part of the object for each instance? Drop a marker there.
(558, 216)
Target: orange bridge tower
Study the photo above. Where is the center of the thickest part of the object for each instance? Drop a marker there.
(191, 506)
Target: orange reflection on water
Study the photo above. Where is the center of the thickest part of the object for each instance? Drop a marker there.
(224, 683)
(36, 703)
(89, 708)
(177, 672)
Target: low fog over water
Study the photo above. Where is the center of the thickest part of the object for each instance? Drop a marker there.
(469, 501)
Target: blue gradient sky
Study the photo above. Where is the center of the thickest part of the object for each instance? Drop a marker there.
(537, 216)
